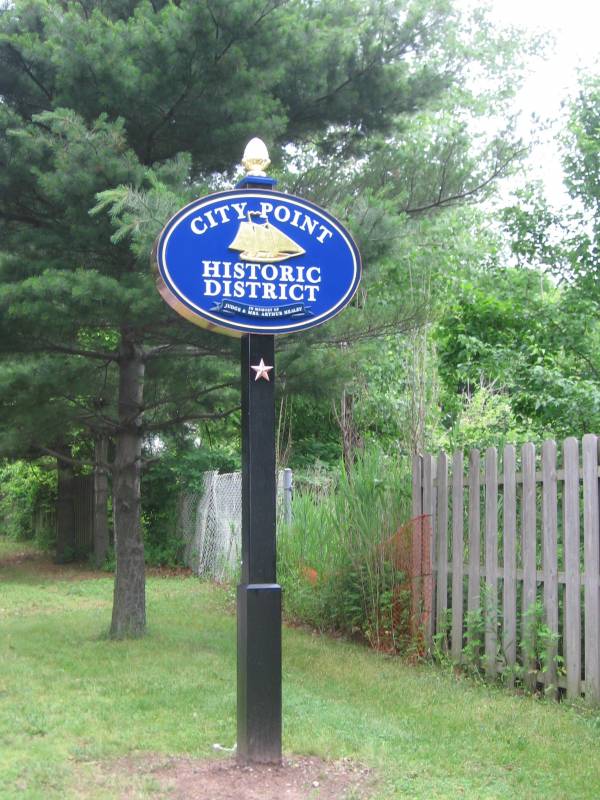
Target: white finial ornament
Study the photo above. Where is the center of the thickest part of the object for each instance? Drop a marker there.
(256, 157)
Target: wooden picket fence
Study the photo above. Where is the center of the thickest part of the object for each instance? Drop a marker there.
(506, 543)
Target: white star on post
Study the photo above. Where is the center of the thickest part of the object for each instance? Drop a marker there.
(262, 371)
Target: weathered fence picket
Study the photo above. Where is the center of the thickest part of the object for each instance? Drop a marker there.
(529, 566)
(417, 589)
(473, 600)
(549, 601)
(458, 555)
(441, 591)
(572, 618)
(591, 560)
(550, 558)
(491, 558)
(509, 592)
(430, 508)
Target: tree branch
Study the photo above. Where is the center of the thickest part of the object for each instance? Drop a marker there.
(76, 462)
(371, 332)
(158, 403)
(27, 220)
(76, 351)
(396, 51)
(441, 202)
(104, 424)
(29, 71)
(181, 350)
(179, 420)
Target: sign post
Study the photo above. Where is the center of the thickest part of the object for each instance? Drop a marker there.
(258, 594)
(253, 263)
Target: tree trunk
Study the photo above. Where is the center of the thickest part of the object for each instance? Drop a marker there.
(65, 512)
(100, 502)
(129, 604)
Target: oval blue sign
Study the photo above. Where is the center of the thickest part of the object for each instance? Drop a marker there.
(251, 261)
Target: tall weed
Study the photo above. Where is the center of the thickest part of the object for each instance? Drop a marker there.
(336, 559)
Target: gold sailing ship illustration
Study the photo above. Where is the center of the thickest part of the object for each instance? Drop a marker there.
(261, 241)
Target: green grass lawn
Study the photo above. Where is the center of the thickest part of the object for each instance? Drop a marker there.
(70, 700)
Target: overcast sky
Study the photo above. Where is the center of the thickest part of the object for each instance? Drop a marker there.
(575, 26)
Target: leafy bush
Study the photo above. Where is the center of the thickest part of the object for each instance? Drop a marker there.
(26, 490)
(162, 483)
(334, 558)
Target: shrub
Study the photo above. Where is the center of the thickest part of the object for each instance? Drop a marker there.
(25, 489)
(334, 558)
(177, 470)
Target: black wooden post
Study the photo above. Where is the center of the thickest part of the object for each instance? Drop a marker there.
(258, 595)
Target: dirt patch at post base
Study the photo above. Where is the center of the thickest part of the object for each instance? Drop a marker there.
(298, 778)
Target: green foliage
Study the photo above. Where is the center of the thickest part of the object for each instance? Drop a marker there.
(556, 380)
(475, 640)
(485, 419)
(537, 645)
(515, 350)
(26, 491)
(373, 620)
(178, 468)
(336, 558)
(539, 641)
(582, 145)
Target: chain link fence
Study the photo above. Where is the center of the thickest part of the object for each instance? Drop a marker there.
(210, 523)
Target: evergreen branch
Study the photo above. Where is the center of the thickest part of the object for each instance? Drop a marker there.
(268, 9)
(84, 9)
(394, 51)
(36, 222)
(29, 71)
(181, 350)
(271, 6)
(216, 387)
(180, 419)
(107, 423)
(76, 462)
(215, 22)
(45, 346)
(169, 114)
(442, 202)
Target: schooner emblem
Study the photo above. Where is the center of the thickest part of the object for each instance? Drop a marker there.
(261, 241)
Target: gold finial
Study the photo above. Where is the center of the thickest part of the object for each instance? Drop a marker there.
(256, 157)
